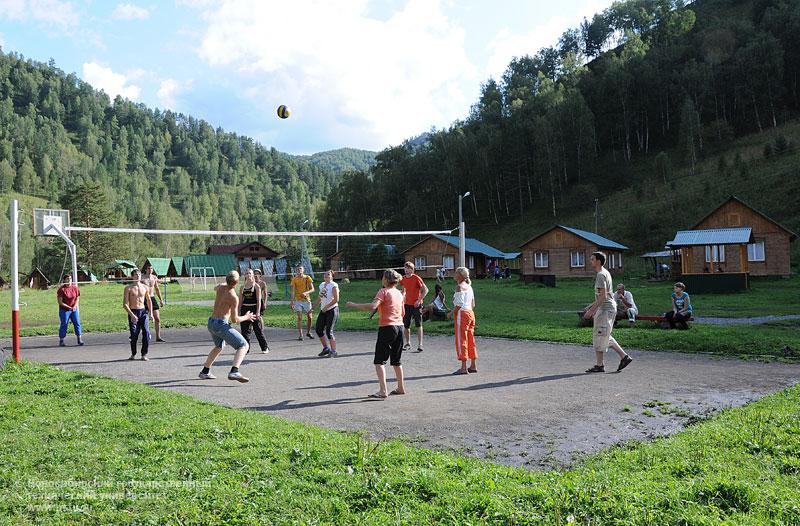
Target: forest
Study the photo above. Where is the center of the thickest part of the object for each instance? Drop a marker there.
(59, 138)
(666, 83)
(661, 82)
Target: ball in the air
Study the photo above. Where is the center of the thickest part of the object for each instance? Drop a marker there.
(284, 111)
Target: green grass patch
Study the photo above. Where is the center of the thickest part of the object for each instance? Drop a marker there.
(508, 309)
(81, 449)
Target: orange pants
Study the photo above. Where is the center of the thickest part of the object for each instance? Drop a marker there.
(465, 334)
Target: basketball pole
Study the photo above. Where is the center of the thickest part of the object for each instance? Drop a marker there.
(15, 279)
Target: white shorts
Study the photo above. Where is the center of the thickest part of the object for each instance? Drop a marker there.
(601, 329)
(301, 306)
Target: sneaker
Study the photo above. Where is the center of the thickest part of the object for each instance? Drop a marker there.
(300, 339)
(333, 354)
(325, 352)
(162, 340)
(206, 376)
(308, 335)
(626, 360)
(61, 343)
(145, 359)
(265, 350)
(237, 377)
(597, 369)
(407, 346)
(81, 344)
(133, 357)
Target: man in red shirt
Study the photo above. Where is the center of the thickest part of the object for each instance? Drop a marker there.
(68, 296)
(414, 290)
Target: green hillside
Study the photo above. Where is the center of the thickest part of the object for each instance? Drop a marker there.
(341, 160)
(645, 212)
(657, 109)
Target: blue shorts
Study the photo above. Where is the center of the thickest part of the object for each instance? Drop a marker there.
(222, 333)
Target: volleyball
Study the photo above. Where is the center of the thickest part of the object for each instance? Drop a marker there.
(284, 111)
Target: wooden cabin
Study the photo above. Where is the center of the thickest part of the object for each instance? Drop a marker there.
(563, 252)
(767, 255)
(120, 269)
(712, 260)
(437, 251)
(365, 263)
(37, 280)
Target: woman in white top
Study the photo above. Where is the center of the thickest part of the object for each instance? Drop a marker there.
(464, 316)
(328, 301)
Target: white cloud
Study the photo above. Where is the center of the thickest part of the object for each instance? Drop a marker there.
(507, 45)
(169, 91)
(130, 12)
(112, 83)
(54, 13)
(371, 82)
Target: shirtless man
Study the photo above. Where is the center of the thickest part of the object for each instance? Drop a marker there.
(137, 303)
(226, 312)
(151, 280)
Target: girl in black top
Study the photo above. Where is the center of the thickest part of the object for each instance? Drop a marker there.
(250, 293)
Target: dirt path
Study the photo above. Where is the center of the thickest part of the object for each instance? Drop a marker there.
(530, 404)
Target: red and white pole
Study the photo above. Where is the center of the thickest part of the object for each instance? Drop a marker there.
(15, 279)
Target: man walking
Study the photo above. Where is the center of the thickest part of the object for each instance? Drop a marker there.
(150, 279)
(604, 312)
(226, 312)
(137, 303)
(414, 290)
(301, 289)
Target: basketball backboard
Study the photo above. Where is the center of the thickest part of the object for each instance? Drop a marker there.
(43, 218)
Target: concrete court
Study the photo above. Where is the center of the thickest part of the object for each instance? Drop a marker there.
(529, 405)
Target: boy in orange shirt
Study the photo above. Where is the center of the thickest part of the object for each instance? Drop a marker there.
(415, 290)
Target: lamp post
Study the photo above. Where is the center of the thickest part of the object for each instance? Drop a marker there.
(462, 256)
(303, 248)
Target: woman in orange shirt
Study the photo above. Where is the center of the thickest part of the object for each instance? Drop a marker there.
(464, 316)
(389, 302)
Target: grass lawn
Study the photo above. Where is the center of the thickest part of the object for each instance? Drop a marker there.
(83, 449)
(505, 309)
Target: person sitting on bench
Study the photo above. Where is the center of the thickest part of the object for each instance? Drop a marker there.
(681, 308)
(625, 304)
(437, 309)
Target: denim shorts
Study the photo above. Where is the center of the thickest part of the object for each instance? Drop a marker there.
(223, 333)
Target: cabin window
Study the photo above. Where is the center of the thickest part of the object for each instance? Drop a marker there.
(342, 266)
(717, 252)
(470, 261)
(577, 258)
(541, 259)
(612, 261)
(755, 251)
(734, 220)
(420, 262)
(448, 262)
(619, 260)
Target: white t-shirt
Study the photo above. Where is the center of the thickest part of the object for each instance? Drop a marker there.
(603, 281)
(463, 299)
(326, 294)
(628, 299)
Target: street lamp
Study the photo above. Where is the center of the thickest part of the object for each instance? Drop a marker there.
(304, 250)
(462, 256)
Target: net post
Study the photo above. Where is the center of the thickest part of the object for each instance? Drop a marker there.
(15, 279)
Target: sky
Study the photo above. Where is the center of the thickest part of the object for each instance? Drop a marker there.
(356, 73)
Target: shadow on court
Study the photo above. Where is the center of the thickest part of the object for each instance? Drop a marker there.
(531, 403)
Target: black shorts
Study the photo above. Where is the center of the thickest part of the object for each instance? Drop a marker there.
(389, 345)
(155, 305)
(412, 312)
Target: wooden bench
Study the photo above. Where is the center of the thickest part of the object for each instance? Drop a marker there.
(658, 319)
